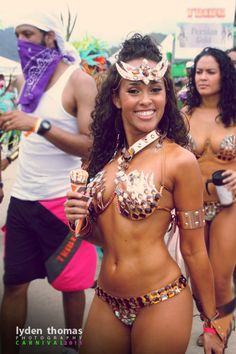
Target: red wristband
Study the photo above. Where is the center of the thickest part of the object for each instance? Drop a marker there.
(209, 330)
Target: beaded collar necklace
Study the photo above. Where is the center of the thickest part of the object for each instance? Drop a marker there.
(128, 154)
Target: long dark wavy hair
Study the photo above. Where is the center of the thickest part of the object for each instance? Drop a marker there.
(107, 127)
(227, 101)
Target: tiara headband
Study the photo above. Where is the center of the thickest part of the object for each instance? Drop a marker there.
(144, 72)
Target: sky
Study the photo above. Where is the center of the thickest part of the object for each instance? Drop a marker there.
(108, 20)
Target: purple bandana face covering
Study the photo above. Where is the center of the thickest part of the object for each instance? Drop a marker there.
(38, 64)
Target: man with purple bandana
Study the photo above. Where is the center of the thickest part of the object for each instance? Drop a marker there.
(55, 104)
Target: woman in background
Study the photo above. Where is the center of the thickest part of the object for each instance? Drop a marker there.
(211, 111)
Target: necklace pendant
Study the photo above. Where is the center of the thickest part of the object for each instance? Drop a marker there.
(128, 155)
(158, 145)
(125, 166)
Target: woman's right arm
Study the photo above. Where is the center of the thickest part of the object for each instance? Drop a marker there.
(188, 198)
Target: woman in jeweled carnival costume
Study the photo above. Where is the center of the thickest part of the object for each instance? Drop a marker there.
(140, 173)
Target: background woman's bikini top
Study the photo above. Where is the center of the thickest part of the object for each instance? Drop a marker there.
(226, 152)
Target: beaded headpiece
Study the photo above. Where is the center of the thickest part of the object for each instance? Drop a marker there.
(144, 72)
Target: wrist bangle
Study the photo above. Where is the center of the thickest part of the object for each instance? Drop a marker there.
(209, 330)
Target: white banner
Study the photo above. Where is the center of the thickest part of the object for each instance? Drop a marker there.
(208, 25)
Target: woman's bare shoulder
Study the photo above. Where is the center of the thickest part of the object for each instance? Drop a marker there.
(179, 155)
(183, 172)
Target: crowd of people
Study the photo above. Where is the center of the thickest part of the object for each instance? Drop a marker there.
(151, 167)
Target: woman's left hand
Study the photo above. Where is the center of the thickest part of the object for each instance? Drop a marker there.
(230, 180)
(212, 344)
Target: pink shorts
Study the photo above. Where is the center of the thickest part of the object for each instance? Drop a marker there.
(34, 232)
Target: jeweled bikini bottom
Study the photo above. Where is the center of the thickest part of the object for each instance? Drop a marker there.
(126, 309)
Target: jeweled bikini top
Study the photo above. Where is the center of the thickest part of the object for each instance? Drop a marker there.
(137, 196)
(226, 152)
